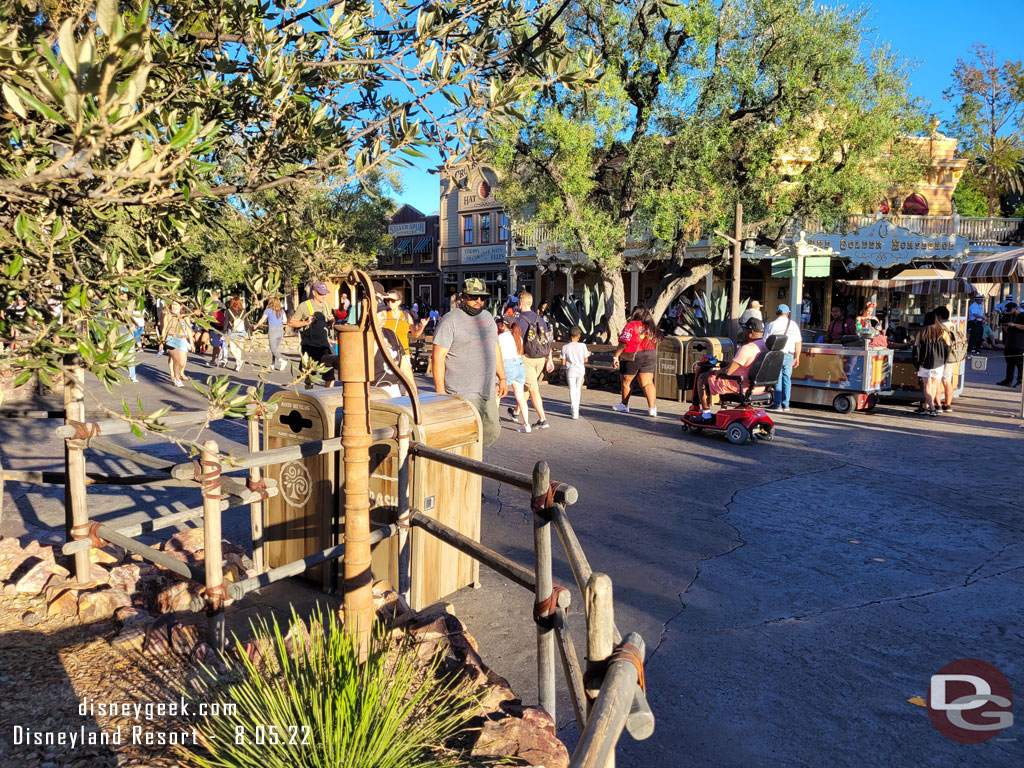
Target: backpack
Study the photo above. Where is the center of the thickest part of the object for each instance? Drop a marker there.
(536, 340)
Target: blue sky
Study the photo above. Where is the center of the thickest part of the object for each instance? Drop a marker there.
(932, 36)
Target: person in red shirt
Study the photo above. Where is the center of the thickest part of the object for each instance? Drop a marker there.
(711, 383)
(638, 350)
(839, 326)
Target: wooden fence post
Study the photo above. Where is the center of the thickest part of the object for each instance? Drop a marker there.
(76, 511)
(600, 635)
(404, 515)
(213, 554)
(545, 582)
(256, 509)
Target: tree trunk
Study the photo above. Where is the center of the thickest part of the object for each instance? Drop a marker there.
(615, 302)
(674, 282)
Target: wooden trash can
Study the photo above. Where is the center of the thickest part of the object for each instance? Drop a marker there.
(669, 377)
(298, 521)
(450, 496)
(307, 516)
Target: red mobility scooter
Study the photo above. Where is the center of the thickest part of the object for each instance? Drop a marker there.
(748, 421)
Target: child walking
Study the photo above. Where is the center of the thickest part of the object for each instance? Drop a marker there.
(574, 355)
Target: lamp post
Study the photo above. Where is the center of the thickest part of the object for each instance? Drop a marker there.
(737, 255)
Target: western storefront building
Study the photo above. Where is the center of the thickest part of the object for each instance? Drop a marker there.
(411, 265)
(475, 231)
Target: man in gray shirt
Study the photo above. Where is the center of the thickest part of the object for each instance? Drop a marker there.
(466, 358)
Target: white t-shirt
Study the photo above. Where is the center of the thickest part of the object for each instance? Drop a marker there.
(778, 326)
(507, 344)
(575, 355)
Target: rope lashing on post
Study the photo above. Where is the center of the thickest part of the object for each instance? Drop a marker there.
(89, 531)
(215, 597)
(544, 611)
(258, 486)
(84, 432)
(211, 480)
(622, 652)
(540, 504)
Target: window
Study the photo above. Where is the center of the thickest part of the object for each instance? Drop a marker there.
(427, 256)
(485, 228)
(503, 228)
(388, 258)
(467, 230)
(407, 256)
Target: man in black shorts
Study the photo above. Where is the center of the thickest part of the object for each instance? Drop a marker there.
(314, 318)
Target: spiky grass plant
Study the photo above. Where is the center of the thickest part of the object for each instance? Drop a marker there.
(309, 703)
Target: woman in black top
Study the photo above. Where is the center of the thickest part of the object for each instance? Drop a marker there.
(930, 351)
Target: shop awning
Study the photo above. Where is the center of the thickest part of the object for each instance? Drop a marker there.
(1006, 267)
(423, 245)
(926, 287)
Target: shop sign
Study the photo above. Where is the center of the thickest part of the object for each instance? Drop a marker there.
(814, 266)
(484, 254)
(882, 244)
(408, 228)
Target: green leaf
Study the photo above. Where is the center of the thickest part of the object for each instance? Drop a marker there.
(138, 432)
(23, 377)
(39, 106)
(106, 15)
(16, 104)
(15, 266)
(66, 41)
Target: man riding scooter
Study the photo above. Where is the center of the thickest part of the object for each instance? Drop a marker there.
(713, 382)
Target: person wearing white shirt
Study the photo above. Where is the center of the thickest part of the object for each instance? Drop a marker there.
(783, 325)
(975, 324)
(754, 310)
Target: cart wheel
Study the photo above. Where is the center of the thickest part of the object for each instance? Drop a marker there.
(844, 404)
(768, 433)
(686, 427)
(737, 434)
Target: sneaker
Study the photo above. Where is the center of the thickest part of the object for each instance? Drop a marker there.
(513, 413)
(284, 364)
(179, 383)
(238, 365)
(933, 413)
(575, 415)
(1004, 383)
(621, 408)
(775, 408)
(784, 409)
(920, 409)
(524, 428)
(207, 363)
(652, 411)
(542, 424)
(133, 380)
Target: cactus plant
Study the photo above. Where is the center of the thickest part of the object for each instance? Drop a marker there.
(587, 314)
(715, 321)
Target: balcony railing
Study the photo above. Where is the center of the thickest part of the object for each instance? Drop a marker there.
(977, 231)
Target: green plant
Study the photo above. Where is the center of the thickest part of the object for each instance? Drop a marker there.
(311, 703)
(588, 315)
(715, 320)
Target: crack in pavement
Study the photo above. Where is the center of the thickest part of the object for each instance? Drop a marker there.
(986, 561)
(664, 626)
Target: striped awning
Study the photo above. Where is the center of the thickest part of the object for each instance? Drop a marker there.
(932, 287)
(1005, 267)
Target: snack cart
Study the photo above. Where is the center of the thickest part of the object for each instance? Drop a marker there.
(908, 296)
(847, 378)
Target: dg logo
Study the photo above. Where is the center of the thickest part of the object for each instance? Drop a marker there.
(969, 701)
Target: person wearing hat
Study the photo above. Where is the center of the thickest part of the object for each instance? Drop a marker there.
(712, 383)
(384, 377)
(314, 319)
(467, 360)
(783, 325)
(753, 310)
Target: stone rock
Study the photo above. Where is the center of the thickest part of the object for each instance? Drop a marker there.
(498, 692)
(128, 614)
(258, 648)
(30, 618)
(126, 576)
(64, 603)
(528, 734)
(177, 596)
(158, 636)
(40, 550)
(189, 541)
(183, 638)
(101, 604)
(33, 582)
(147, 589)
(111, 554)
(8, 590)
(11, 559)
(296, 631)
(204, 654)
(131, 638)
(98, 574)
(233, 573)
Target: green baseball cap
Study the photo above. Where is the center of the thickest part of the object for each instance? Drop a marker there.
(474, 286)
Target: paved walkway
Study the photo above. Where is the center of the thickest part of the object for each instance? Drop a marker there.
(793, 595)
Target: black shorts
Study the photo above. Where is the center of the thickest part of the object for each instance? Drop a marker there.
(644, 362)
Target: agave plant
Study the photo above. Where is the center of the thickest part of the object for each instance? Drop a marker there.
(715, 321)
(587, 314)
(308, 702)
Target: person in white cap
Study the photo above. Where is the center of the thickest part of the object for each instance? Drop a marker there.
(783, 325)
(754, 310)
